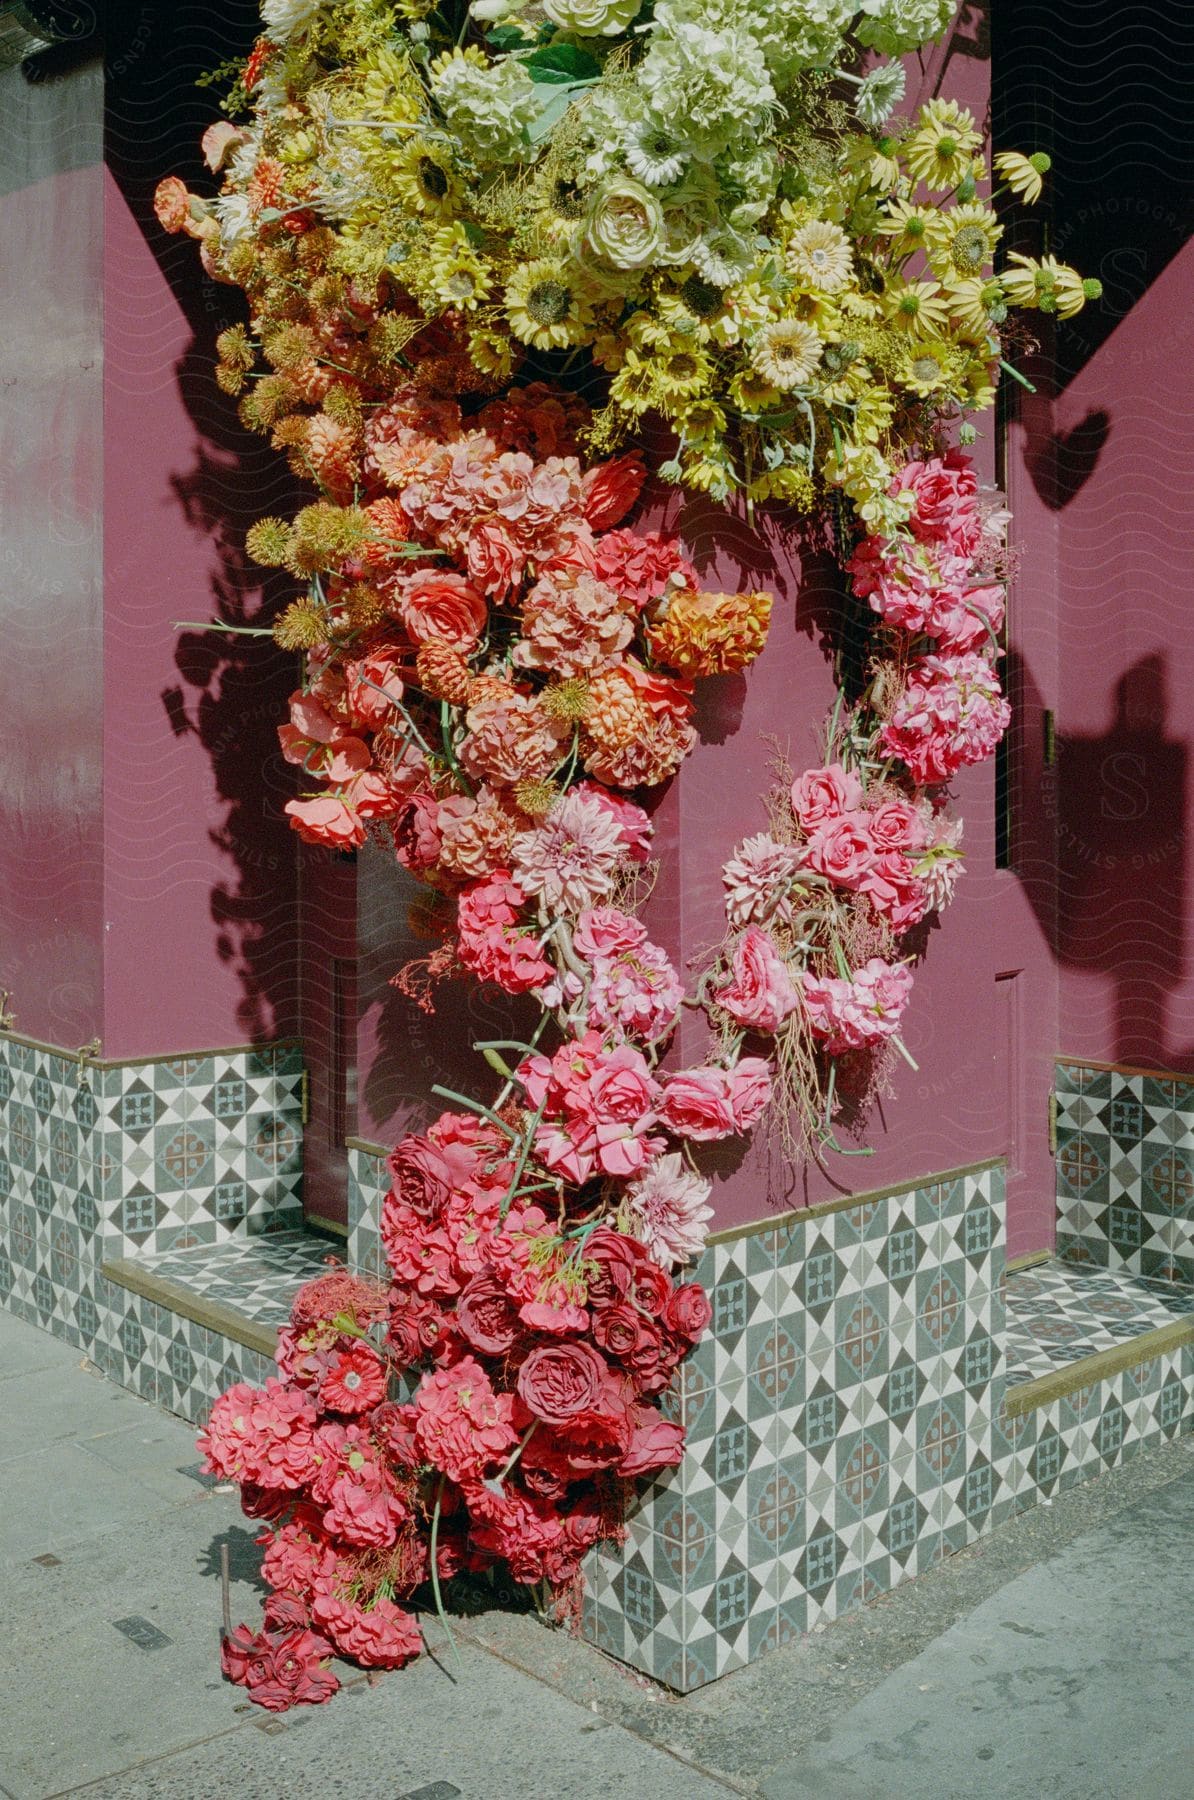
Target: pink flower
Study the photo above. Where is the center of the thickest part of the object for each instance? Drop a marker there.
(355, 1380)
(757, 879)
(327, 819)
(416, 832)
(573, 625)
(668, 1206)
(946, 494)
(560, 1382)
(842, 849)
(897, 825)
(351, 1482)
(263, 1435)
(894, 890)
(941, 866)
(634, 988)
(568, 862)
(438, 603)
(463, 1427)
(489, 942)
(381, 1635)
(633, 823)
(951, 714)
(510, 740)
(374, 689)
(866, 1010)
(749, 1091)
(759, 995)
(475, 835)
(823, 794)
(696, 1104)
(598, 1106)
(642, 568)
(604, 931)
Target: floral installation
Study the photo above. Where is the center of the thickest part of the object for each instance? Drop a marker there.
(446, 220)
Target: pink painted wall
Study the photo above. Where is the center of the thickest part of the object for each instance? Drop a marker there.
(51, 872)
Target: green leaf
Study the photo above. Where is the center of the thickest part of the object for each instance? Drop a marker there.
(560, 63)
(553, 110)
(508, 37)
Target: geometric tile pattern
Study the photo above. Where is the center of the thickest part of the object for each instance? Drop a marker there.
(257, 1276)
(100, 1161)
(1057, 1314)
(368, 1184)
(842, 1417)
(1125, 1171)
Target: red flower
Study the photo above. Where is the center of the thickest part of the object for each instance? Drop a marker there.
(611, 489)
(560, 1382)
(611, 1259)
(280, 1669)
(486, 1316)
(463, 1427)
(355, 1380)
(688, 1312)
(656, 1444)
(379, 1636)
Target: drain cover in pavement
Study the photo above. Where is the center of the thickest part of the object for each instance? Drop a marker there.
(439, 1790)
(142, 1633)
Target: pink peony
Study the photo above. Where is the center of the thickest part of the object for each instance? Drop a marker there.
(749, 1091)
(759, 995)
(280, 1669)
(696, 1104)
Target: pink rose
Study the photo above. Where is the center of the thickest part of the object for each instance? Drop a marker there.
(946, 492)
(760, 995)
(696, 1104)
(897, 825)
(611, 489)
(749, 1091)
(326, 820)
(494, 561)
(821, 794)
(656, 1444)
(842, 849)
(604, 931)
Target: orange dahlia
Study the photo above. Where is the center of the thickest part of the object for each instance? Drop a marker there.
(443, 673)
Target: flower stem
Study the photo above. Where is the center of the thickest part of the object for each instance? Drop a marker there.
(439, 1599)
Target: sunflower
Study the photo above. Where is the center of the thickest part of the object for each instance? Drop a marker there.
(546, 305)
(492, 352)
(786, 353)
(682, 373)
(819, 255)
(962, 240)
(457, 276)
(939, 152)
(753, 393)
(911, 305)
(424, 180)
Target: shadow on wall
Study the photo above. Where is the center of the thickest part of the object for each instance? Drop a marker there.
(231, 691)
(1104, 90)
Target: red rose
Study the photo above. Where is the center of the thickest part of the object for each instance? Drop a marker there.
(650, 1286)
(286, 1611)
(656, 1444)
(611, 489)
(612, 1258)
(280, 1669)
(688, 1312)
(619, 1330)
(436, 603)
(560, 1382)
(486, 1316)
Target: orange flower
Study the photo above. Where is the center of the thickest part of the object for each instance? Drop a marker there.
(711, 634)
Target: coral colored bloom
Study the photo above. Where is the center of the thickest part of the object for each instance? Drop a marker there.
(462, 1426)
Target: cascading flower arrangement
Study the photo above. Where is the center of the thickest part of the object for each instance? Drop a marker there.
(446, 221)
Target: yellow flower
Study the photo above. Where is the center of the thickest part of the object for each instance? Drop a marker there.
(492, 352)
(939, 151)
(876, 160)
(711, 634)
(682, 373)
(789, 483)
(932, 367)
(546, 307)
(786, 352)
(973, 305)
(819, 255)
(962, 240)
(907, 225)
(913, 305)
(1023, 173)
(458, 277)
(700, 420)
(753, 393)
(424, 180)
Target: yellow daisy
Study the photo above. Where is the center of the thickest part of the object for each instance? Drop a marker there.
(913, 305)
(1022, 174)
(546, 305)
(939, 151)
(961, 241)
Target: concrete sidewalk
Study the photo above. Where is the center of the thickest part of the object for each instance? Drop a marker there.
(1052, 1659)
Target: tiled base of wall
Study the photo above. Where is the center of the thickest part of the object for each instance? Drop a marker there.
(101, 1161)
(1125, 1171)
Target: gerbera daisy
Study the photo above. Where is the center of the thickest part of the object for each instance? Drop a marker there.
(786, 352)
(819, 253)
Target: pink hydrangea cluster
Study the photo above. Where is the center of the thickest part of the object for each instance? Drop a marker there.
(952, 713)
(633, 988)
(853, 1014)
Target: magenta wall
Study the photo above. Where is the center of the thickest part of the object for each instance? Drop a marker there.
(51, 875)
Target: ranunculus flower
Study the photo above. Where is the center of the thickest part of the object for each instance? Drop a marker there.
(487, 1316)
(560, 1382)
(760, 994)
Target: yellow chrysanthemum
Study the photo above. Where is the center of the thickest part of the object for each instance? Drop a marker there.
(786, 353)
(711, 634)
(912, 306)
(1023, 173)
(546, 306)
(819, 255)
(939, 151)
(961, 241)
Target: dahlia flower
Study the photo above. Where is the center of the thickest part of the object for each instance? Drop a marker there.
(568, 862)
(757, 880)
(669, 1211)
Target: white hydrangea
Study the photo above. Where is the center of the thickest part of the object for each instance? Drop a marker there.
(488, 108)
(894, 27)
(715, 81)
(801, 34)
(284, 19)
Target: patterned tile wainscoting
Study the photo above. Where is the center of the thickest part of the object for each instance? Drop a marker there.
(1125, 1170)
(103, 1161)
